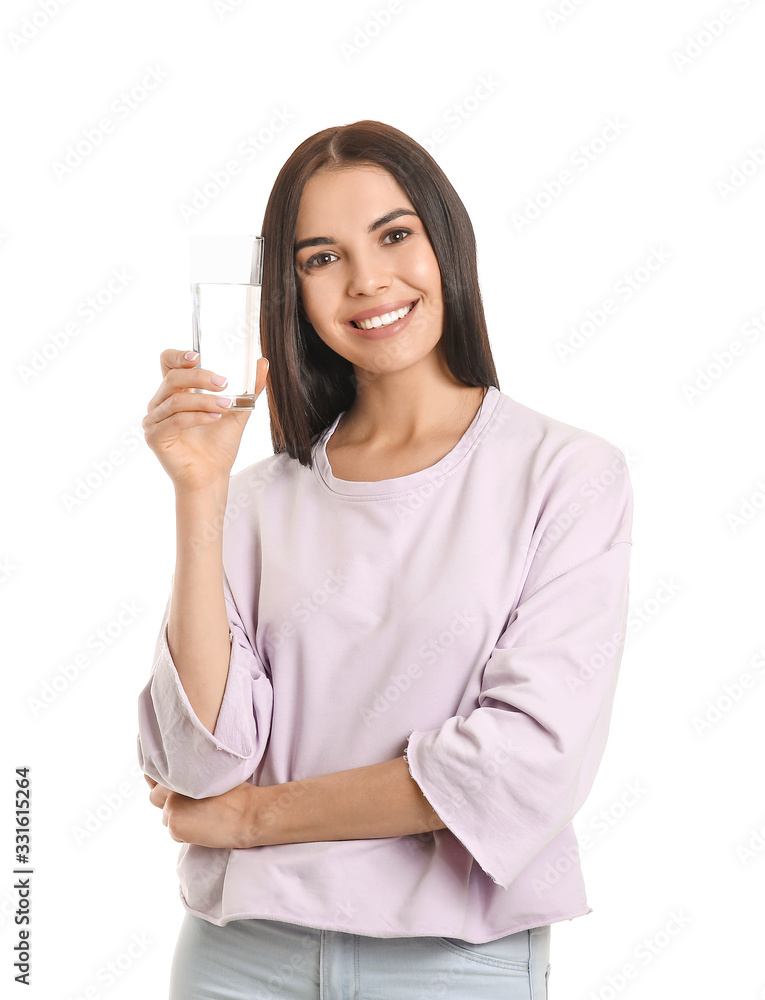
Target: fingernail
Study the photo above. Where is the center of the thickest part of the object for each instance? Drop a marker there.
(223, 401)
(191, 355)
(218, 380)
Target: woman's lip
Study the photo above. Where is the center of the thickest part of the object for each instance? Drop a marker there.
(389, 307)
(380, 332)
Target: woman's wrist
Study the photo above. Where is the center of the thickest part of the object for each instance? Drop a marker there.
(212, 493)
(200, 515)
(265, 806)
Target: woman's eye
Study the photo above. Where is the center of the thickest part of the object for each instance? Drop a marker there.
(398, 232)
(313, 262)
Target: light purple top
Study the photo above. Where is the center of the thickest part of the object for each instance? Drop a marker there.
(473, 614)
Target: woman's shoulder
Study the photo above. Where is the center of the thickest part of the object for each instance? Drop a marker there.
(253, 480)
(551, 434)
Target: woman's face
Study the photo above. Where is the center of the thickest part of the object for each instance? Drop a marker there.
(369, 257)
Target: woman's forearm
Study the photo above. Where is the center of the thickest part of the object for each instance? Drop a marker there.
(378, 800)
(198, 629)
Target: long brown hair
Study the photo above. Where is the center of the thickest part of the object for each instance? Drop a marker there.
(308, 383)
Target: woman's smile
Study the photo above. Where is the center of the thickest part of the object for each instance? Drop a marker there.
(381, 323)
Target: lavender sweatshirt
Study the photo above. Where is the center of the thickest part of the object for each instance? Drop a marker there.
(471, 615)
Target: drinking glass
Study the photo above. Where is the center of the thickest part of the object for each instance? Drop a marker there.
(226, 278)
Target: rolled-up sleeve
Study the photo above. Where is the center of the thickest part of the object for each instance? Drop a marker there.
(509, 777)
(175, 748)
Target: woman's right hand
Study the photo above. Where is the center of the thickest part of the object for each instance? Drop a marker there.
(193, 436)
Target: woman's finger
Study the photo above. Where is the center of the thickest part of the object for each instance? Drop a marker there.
(158, 796)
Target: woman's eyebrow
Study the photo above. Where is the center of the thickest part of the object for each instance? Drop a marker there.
(316, 241)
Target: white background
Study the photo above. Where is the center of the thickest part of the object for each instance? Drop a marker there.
(531, 93)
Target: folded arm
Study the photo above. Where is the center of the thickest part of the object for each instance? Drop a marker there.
(176, 750)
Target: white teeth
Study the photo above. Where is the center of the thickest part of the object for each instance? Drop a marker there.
(385, 320)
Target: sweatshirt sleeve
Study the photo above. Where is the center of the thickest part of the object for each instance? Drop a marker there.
(175, 749)
(512, 775)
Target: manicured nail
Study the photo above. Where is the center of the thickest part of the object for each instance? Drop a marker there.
(218, 380)
(191, 355)
(223, 401)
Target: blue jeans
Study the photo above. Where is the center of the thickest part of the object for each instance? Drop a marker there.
(258, 959)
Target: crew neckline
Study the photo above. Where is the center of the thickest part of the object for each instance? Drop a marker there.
(401, 485)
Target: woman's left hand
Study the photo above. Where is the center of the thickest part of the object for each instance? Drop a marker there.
(219, 821)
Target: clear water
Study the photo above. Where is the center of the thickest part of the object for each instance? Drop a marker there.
(226, 332)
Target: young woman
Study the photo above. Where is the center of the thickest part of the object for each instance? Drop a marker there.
(384, 678)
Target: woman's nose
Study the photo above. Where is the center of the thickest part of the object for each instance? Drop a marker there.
(367, 274)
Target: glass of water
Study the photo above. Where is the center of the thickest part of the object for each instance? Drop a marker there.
(226, 278)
